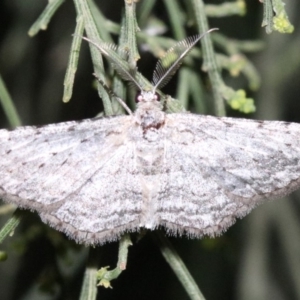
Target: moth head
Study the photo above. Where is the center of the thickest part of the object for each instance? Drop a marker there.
(164, 70)
(147, 97)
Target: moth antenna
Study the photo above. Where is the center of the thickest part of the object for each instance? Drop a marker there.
(167, 66)
(112, 94)
(121, 67)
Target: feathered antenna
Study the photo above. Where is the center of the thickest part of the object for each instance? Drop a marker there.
(122, 68)
(167, 66)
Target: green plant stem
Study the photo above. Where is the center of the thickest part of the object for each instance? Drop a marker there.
(131, 28)
(176, 19)
(103, 275)
(197, 94)
(73, 59)
(118, 86)
(43, 20)
(178, 266)
(8, 106)
(89, 285)
(10, 225)
(209, 60)
(226, 9)
(288, 225)
(183, 86)
(233, 46)
(268, 16)
(83, 8)
(189, 84)
(100, 19)
(145, 8)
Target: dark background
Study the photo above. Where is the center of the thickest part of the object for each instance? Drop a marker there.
(258, 258)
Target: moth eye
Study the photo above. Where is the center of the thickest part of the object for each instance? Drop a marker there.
(156, 97)
(138, 98)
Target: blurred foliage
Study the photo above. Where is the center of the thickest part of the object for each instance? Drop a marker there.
(258, 258)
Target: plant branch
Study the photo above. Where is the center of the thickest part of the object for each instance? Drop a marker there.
(178, 266)
(103, 275)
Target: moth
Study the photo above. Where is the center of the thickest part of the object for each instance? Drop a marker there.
(192, 174)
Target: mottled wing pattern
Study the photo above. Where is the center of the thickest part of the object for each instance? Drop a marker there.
(79, 176)
(218, 169)
(97, 178)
